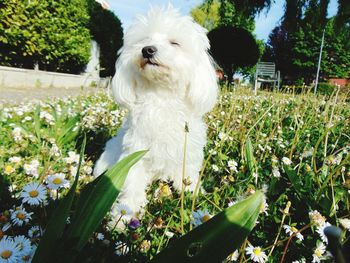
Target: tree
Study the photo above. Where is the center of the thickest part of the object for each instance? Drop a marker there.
(106, 29)
(52, 34)
(207, 14)
(233, 48)
(295, 44)
(280, 43)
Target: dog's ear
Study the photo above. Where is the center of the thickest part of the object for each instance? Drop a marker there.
(123, 85)
(203, 88)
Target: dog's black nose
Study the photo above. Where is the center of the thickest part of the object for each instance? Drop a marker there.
(149, 51)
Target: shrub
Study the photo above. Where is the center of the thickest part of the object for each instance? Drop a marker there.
(53, 34)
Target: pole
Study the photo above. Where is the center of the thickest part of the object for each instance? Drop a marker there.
(319, 64)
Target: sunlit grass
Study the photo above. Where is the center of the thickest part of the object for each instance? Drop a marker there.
(297, 151)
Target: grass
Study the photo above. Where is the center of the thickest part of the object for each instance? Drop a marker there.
(296, 147)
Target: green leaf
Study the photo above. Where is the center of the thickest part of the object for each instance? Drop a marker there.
(214, 240)
(98, 201)
(47, 249)
(294, 178)
(249, 154)
(70, 131)
(37, 122)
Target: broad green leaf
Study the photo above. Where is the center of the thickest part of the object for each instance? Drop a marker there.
(214, 240)
(98, 201)
(47, 248)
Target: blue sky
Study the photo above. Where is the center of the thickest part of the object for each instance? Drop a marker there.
(265, 22)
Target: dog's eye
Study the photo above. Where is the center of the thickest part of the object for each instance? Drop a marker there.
(174, 43)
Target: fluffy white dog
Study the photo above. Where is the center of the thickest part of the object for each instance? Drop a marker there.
(165, 78)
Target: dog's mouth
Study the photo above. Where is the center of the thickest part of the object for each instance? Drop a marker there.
(148, 61)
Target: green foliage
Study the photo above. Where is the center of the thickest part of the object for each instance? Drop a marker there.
(233, 48)
(325, 88)
(51, 33)
(207, 14)
(106, 29)
(301, 150)
(295, 44)
(96, 200)
(215, 239)
(47, 248)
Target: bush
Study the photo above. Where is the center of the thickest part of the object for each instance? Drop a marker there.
(325, 88)
(106, 29)
(53, 34)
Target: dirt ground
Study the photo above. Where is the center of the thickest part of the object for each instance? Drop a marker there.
(17, 95)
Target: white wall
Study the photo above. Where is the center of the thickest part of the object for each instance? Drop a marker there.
(28, 78)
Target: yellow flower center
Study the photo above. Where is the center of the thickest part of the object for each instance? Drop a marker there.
(123, 212)
(257, 251)
(21, 216)
(57, 180)
(8, 169)
(33, 193)
(318, 253)
(205, 218)
(6, 254)
(165, 190)
(294, 230)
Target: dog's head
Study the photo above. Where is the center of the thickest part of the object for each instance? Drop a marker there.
(165, 49)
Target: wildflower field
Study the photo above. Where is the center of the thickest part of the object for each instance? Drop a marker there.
(301, 160)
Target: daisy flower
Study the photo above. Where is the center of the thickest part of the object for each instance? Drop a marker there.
(15, 159)
(276, 172)
(316, 218)
(345, 222)
(317, 256)
(145, 246)
(121, 248)
(293, 230)
(33, 193)
(73, 158)
(232, 165)
(320, 231)
(215, 168)
(35, 232)
(286, 161)
(162, 191)
(123, 210)
(200, 217)
(9, 252)
(100, 236)
(23, 244)
(233, 256)
(29, 257)
(3, 230)
(256, 254)
(9, 170)
(32, 168)
(56, 181)
(19, 216)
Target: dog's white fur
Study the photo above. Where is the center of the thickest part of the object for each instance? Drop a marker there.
(161, 99)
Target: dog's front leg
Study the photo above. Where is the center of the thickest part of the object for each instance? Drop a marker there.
(190, 178)
(133, 193)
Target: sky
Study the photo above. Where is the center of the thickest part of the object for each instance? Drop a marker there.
(265, 22)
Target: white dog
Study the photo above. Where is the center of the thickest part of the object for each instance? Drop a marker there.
(165, 78)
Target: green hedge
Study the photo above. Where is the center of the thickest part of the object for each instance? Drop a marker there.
(52, 33)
